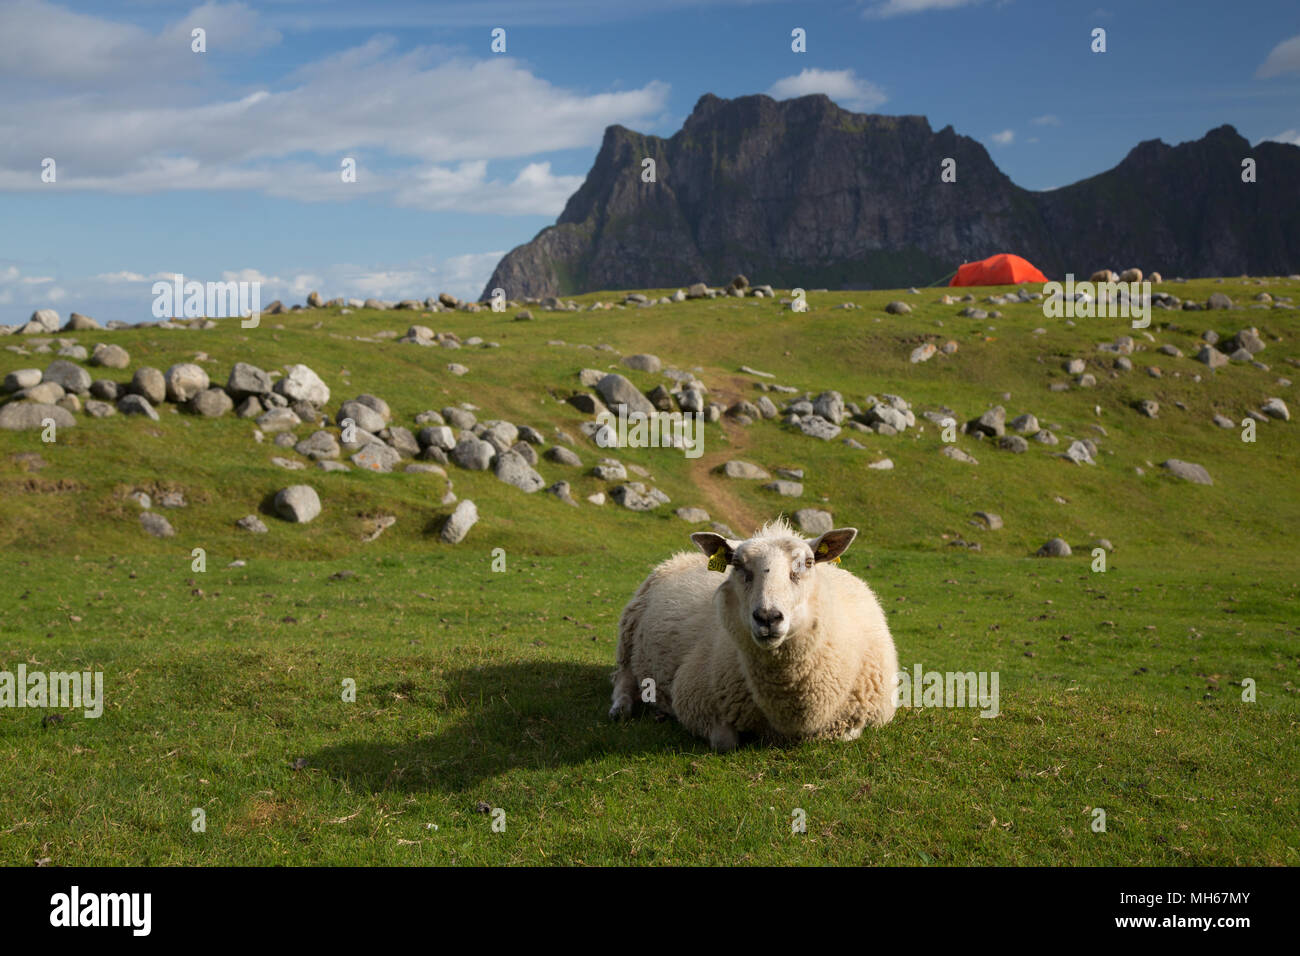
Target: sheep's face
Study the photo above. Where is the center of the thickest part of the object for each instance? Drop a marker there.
(770, 578)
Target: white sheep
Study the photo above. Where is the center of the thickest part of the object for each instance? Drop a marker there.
(781, 643)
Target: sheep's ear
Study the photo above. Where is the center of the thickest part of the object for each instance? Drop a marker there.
(832, 544)
(718, 549)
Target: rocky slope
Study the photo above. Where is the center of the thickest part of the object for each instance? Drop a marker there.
(803, 193)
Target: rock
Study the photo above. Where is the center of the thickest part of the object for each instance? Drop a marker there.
(1013, 443)
(150, 384)
(1173, 350)
(46, 319)
(278, 420)
(898, 308)
(1276, 408)
(636, 497)
(791, 489)
(156, 525)
(817, 427)
(363, 416)
(745, 470)
(884, 464)
(697, 290)
(991, 423)
(514, 470)
(991, 521)
(563, 456)
(643, 362)
(1224, 422)
(437, 436)
(46, 393)
(618, 391)
(301, 384)
(1211, 357)
(1075, 366)
(291, 464)
(136, 405)
(252, 524)
(319, 445)
(110, 356)
(500, 435)
(1187, 471)
(73, 378)
(246, 380)
(211, 403)
(459, 418)
(1055, 548)
(21, 416)
(882, 414)
(1218, 300)
(1248, 339)
(1079, 453)
(70, 402)
(830, 406)
(1086, 380)
(97, 409)
(922, 353)
(1210, 337)
(472, 453)
(401, 441)
(813, 521)
(327, 465)
(22, 378)
(184, 381)
(297, 503)
(1025, 424)
(692, 515)
(455, 368)
(1124, 363)
(1148, 407)
(458, 523)
(956, 454)
(377, 457)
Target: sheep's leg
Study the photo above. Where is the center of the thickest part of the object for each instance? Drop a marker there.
(624, 698)
(723, 738)
(853, 734)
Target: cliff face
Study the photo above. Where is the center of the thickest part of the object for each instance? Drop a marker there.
(803, 193)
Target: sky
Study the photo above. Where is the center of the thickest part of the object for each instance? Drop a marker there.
(227, 163)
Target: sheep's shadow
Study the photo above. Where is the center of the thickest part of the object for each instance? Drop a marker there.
(533, 715)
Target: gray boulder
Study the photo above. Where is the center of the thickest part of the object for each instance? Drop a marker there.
(184, 381)
(617, 390)
(136, 405)
(473, 453)
(156, 525)
(246, 380)
(110, 356)
(211, 403)
(149, 384)
(1187, 471)
(514, 470)
(813, 521)
(1055, 548)
(73, 378)
(297, 503)
(22, 378)
(377, 457)
(459, 522)
(21, 416)
(301, 384)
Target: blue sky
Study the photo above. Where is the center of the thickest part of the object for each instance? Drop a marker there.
(225, 164)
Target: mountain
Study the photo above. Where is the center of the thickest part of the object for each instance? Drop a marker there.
(803, 193)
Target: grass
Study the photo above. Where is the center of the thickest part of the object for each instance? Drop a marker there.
(480, 688)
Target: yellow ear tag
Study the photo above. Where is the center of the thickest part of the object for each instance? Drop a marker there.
(719, 560)
(822, 549)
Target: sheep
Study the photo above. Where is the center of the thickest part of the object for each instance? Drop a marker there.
(783, 645)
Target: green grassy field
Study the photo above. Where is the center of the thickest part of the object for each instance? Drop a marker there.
(481, 690)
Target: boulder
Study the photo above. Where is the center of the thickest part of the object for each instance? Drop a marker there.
(21, 416)
(458, 523)
(618, 391)
(473, 453)
(110, 356)
(513, 469)
(1187, 471)
(301, 384)
(184, 381)
(991, 423)
(297, 503)
(643, 362)
(156, 525)
(136, 405)
(377, 457)
(149, 384)
(22, 378)
(1055, 548)
(211, 403)
(72, 377)
(246, 380)
(363, 416)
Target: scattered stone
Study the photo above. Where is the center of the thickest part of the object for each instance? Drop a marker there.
(184, 381)
(1149, 408)
(1013, 443)
(791, 489)
(991, 521)
(991, 423)
(956, 454)
(745, 470)
(246, 380)
(156, 525)
(1187, 471)
(211, 403)
(472, 453)
(643, 362)
(1055, 548)
(514, 470)
(692, 515)
(459, 522)
(277, 420)
(898, 308)
(922, 353)
(110, 356)
(136, 405)
(297, 503)
(22, 416)
(252, 524)
(301, 384)
(1276, 408)
(377, 457)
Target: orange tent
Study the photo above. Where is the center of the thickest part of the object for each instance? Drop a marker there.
(1002, 269)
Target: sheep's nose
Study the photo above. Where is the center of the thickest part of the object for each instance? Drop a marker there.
(768, 617)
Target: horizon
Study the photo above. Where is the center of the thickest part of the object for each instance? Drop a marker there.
(230, 171)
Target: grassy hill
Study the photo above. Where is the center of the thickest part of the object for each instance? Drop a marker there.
(480, 689)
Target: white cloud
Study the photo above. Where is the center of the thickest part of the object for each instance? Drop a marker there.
(420, 123)
(1291, 136)
(1047, 119)
(842, 86)
(896, 8)
(1285, 58)
(1004, 138)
